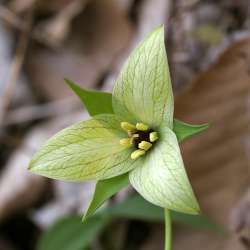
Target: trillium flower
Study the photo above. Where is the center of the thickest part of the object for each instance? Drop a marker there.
(137, 139)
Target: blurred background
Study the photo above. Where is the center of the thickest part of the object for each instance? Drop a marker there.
(87, 41)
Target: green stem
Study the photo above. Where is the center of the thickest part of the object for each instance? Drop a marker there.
(168, 230)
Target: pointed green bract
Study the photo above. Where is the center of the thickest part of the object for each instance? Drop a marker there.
(88, 150)
(143, 91)
(184, 130)
(161, 178)
(96, 102)
(104, 190)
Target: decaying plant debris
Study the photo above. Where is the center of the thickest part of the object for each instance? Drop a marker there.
(41, 42)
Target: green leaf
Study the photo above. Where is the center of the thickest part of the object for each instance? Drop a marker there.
(104, 190)
(96, 102)
(184, 130)
(70, 234)
(137, 208)
(161, 178)
(143, 91)
(88, 150)
(197, 221)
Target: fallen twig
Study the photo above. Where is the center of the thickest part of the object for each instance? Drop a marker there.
(15, 68)
(35, 112)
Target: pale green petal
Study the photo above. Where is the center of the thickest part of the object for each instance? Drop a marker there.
(143, 91)
(162, 179)
(85, 151)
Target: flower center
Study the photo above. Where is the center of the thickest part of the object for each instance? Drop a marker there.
(140, 136)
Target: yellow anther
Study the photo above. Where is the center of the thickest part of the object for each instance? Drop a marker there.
(137, 153)
(126, 142)
(145, 145)
(141, 126)
(128, 126)
(153, 136)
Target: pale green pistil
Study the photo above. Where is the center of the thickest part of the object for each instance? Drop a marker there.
(140, 136)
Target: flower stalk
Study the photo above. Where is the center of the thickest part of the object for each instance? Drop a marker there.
(168, 229)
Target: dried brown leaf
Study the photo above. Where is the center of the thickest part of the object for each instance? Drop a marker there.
(99, 34)
(217, 161)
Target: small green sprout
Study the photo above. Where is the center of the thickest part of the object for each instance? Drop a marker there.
(137, 139)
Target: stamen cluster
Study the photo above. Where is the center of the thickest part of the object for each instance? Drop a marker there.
(140, 136)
